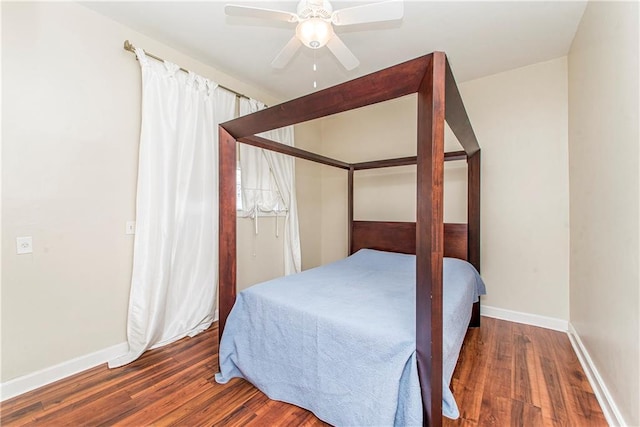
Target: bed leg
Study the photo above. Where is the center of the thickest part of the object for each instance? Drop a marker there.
(475, 315)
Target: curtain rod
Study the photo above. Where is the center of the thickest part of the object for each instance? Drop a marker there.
(131, 48)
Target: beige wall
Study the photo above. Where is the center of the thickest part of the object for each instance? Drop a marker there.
(308, 191)
(260, 256)
(604, 168)
(520, 118)
(71, 120)
(376, 132)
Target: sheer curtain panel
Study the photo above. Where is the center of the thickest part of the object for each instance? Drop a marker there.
(268, 179)
(174, 279)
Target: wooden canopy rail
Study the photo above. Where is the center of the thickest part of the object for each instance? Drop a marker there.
(438, 99)
(405, 161)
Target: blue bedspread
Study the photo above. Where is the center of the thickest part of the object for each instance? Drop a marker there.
(339, 339)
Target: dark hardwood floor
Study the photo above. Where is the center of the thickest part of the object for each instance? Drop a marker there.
(508, 374)
(511, 374)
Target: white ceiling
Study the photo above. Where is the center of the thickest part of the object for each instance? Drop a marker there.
(480, 38)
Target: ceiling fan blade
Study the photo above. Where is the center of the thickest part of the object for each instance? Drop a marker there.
(375, 12)
(342, 52)
(286, 53)
(257, 12)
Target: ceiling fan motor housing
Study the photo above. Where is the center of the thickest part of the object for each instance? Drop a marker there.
(314, 9)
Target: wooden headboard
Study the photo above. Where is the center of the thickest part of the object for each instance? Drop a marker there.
(401, 237)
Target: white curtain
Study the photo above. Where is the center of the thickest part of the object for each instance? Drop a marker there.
(259, 190)
(261, 170)
(174, 280)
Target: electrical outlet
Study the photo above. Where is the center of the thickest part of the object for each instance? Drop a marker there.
(130, 227)
(24, 245)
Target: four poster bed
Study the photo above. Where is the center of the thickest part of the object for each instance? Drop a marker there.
(309, 322)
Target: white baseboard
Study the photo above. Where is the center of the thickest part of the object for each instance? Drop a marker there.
(526, 318)
(608, 405)
(62, 370)
(46, 376)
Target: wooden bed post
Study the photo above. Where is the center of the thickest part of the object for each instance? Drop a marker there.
(473, 219)
(227, 227)
(429, 237)
(350, 207)
(459, 123)
(473, 209)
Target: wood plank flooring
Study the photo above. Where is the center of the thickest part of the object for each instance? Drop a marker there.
(508, 374)
(511, 374)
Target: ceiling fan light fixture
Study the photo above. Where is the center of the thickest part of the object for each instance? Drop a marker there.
(314, 32)
(315, 20)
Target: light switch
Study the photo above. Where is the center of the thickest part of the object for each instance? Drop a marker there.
(130, 227)
(24, 245)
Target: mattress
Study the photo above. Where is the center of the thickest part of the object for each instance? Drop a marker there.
(339, 340)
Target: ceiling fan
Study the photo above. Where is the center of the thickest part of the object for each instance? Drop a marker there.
(315, 19)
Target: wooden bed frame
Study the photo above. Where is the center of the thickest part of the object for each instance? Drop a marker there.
(429, 238)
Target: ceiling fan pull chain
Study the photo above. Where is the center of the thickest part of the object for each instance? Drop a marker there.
(315, 69)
